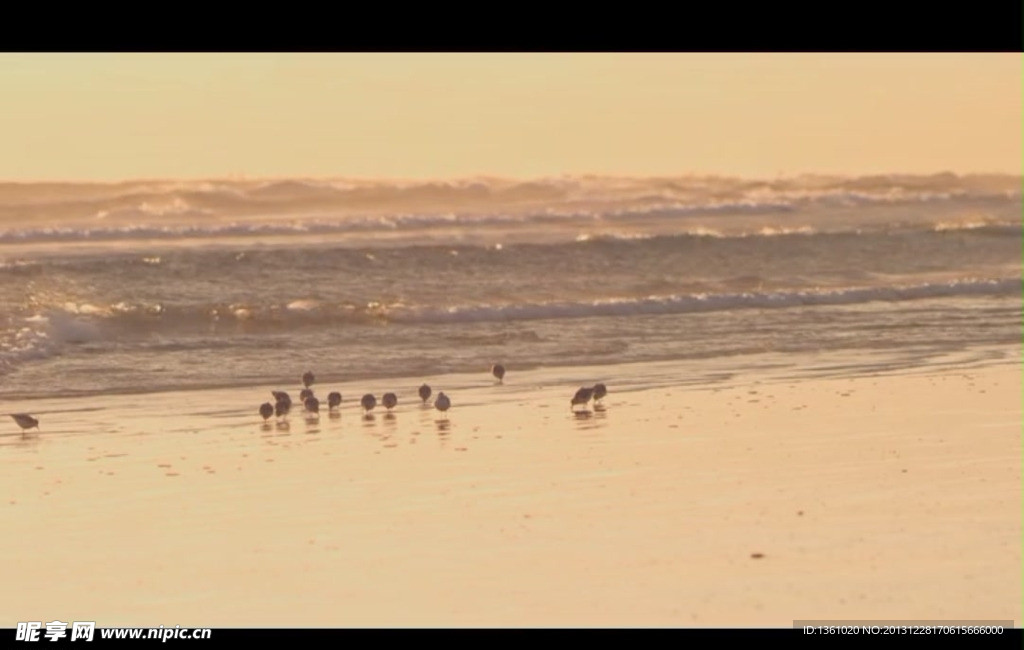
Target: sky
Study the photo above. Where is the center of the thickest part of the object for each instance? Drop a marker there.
(118, 116)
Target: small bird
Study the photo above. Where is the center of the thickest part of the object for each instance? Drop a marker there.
(442, 403)
(266, 410)
(582, 396)
(498, 371)
(308, 378)
(390, 400)
(425, 393)
(281, 409)
(312, 405)
(334, 400)
(25, 421)
(368, 402)
(281, 397)
(305, 394)
(282, 402)
(600, 390)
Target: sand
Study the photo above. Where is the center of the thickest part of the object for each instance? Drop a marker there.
(754, 500)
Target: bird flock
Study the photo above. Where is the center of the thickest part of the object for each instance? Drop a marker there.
(442, 402)
(282, 405)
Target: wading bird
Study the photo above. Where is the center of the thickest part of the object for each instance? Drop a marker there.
(281, 397)
(282, 403)
(25, 421)
(582, 396)
(266, 410)
(498, 371)
(312, 405)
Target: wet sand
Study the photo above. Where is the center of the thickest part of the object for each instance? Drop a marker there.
(750, 501)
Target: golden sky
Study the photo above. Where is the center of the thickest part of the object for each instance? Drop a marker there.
(95, 116)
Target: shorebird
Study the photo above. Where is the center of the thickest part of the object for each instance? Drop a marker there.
(308, 378)
(600, 390)
(425, 393)
(25, 421)
(282, 402)
(305, 394)
(334, 400)
(582, 396)
(281, 409)
(312, 405)
(442, 403)
(266, 410)
(389, 400)
(368, 402)
(498, 371)
(281, 397)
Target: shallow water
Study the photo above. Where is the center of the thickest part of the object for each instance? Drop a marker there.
(142, 287)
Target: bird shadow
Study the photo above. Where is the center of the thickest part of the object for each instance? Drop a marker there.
(23, 439)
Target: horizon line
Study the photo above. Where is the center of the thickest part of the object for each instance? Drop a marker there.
(484, 176)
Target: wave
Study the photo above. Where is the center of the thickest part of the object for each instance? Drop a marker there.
(88, 332)
(55, 211)
(500, 224)
(682, 304)
(927, 186)
(87, 322)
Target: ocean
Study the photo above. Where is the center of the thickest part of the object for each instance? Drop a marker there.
(151, 286)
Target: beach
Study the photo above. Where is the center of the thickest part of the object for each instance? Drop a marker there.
(799, 277)
(701, 493)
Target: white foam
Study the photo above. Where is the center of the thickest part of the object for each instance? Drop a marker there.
(303, 305)
(702, 302)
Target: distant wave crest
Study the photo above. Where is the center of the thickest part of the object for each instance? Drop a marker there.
(196, 209)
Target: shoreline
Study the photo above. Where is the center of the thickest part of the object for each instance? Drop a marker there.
(754, 500)
(781, 366)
